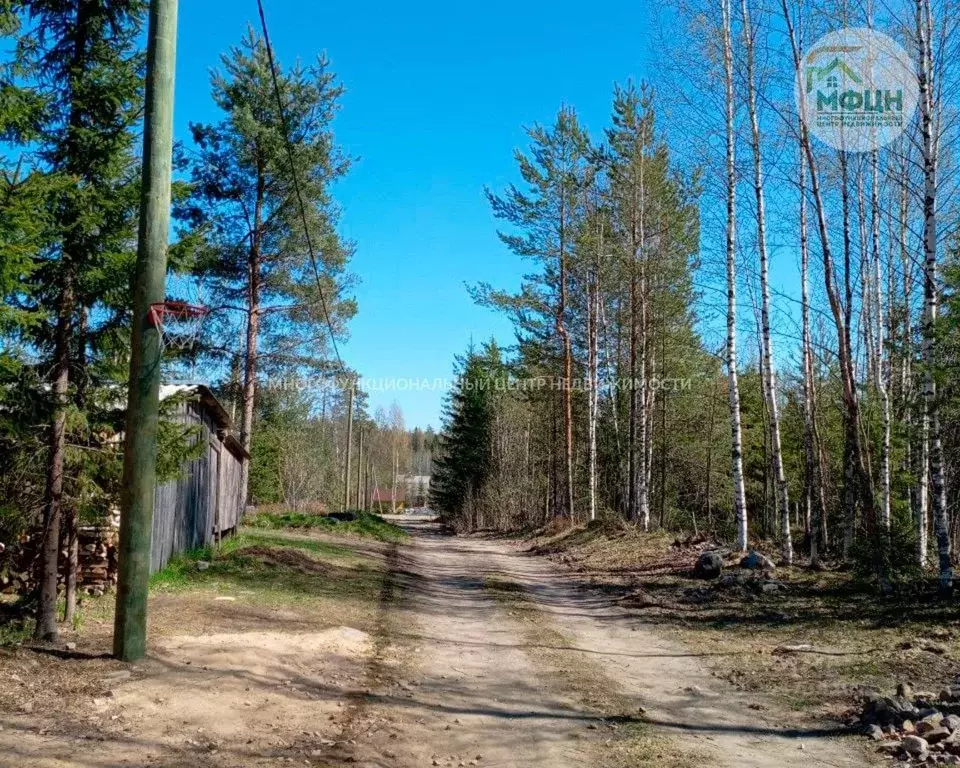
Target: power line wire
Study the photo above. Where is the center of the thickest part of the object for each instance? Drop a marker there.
(296, 183)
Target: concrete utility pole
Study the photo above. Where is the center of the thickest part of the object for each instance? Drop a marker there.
(143, 403)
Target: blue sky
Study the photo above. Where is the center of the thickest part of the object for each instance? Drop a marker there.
(437, 97)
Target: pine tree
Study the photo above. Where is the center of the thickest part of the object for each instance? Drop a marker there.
(558, 173)
(253, 252)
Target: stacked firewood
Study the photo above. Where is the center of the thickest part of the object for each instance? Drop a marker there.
(16, 571)
(97, 570)
(97, 559)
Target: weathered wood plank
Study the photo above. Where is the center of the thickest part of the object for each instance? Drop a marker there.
(185, 510)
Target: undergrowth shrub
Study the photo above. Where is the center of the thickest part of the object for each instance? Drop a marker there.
(894, 557)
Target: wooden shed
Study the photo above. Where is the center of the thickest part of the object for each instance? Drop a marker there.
(205, 503)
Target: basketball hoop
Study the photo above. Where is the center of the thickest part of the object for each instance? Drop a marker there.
(178, 322)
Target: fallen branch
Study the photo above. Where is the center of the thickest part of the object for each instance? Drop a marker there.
(783, 650)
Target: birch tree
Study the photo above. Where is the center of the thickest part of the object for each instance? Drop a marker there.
(814, 502)
(736, 430)
(857, 478)
(768, 371)
(931, 407)
(882, 365)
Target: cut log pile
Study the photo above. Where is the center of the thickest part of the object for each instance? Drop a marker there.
(97, 560)
(98, 556)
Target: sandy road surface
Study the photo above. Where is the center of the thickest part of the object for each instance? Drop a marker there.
(488, 694)
(477, 655)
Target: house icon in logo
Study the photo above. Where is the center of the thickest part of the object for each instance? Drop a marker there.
(834, 76)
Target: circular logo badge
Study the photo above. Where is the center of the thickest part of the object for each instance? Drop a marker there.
(856, 89)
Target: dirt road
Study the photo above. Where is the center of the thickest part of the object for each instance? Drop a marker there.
(462, 651)
(516, 665)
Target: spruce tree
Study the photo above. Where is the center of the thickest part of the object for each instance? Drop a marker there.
(80, 57)
(463, 460)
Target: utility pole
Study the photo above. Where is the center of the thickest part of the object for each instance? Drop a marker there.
(346, 473)
(360, 465)
(366, 505)
(143, 399)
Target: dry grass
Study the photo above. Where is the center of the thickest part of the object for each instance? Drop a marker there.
(859, 639)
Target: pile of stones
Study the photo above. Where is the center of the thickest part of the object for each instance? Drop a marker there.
(915, 729)
(750, 576)
(710, 565)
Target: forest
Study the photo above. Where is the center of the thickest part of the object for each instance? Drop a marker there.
(692, 496)
(72, 100)
(729, 325)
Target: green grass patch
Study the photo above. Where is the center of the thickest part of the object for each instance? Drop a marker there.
(274, 567)
(182, 570)
(356, 523)
(324, 549)
(185, 569)
(15, 632)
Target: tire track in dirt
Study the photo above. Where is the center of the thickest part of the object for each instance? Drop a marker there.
(381, 673)
(457, 687)
(488, 687)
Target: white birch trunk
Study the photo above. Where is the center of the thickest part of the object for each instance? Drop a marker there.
(646, 443)
(396, 472)
(736, 451)
(919, 497)
(766, 341)
(849, 475)
(593, 300)
(882, 363)
(650, 403)
(923, 486)
(811, 499)
(931, 409)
